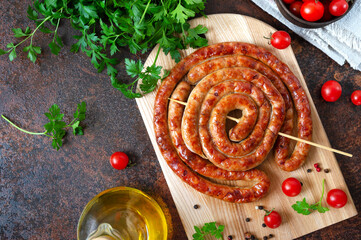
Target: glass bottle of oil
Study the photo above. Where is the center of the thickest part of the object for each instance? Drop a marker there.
(130, 212)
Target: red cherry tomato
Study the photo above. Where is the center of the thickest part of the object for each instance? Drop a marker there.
(338, 7)
(295, 8)
(119, 160)
(288, 1)
(291, 187)
(272, 219)
(312, 10)
(356, 97)
(280, 39)
(336, 198)
(331, 91)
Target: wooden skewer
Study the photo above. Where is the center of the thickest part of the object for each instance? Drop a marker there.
(285, 135)
(314, 144)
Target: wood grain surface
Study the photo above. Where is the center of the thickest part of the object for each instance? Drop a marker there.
(232, 27)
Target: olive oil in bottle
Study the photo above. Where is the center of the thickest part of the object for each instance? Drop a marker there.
(133, 214)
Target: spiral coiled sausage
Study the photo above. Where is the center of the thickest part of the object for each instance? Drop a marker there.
(231, 76)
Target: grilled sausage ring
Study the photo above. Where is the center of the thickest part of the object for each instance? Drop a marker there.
(253, 91)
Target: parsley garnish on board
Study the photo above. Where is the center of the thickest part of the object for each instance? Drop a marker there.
(208, 228)
(106, 26)
(55, 128)
(303, 207)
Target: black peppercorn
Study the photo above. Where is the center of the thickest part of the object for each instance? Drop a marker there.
(260, 207)
(253, 237)
(264, 225)
(265, 238)
(326, 170)
(196, 206)
(270, 236)
(230, 237)
(248, 219)
(309, 170)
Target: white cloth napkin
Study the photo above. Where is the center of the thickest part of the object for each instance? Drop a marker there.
(340, 40)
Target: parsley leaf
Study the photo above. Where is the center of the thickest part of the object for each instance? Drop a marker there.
(303, 207)
(181, 14)
(208, 229)
(55, 128)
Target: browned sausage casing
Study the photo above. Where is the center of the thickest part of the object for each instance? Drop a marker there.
(172, 150)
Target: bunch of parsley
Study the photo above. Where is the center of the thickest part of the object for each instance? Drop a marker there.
(105, 26)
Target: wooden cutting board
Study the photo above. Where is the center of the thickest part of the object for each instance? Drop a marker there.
(233, 27)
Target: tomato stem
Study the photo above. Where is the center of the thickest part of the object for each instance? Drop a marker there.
(268, 38)
(268, 212)
(130, 164)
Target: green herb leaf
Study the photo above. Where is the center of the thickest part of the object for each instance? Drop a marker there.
(32, 14)
(32, 52)
(86, 11)
(18, 32)
(302, 207)
(12, 55)
(181, 14)
(54, 48)
(50, 3)
(2, 52)
(208, 229)
(133, 68)
(80, 111)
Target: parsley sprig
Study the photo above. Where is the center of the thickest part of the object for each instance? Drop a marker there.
(208, 228)
(304, 208)
(106, 27)
(55, 128)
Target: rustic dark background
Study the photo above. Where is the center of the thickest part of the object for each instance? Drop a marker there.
(42, 191)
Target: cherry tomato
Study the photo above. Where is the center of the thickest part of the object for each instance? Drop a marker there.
(331, 91)
(295, 8)
(291, 187)
(280, 39)
(119, 160)
(288, 1)
(356, 97)
(336, 198)
(338, 7)
(272, 219)
(312, 10)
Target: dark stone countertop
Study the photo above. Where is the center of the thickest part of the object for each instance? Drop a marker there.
(42, 191)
